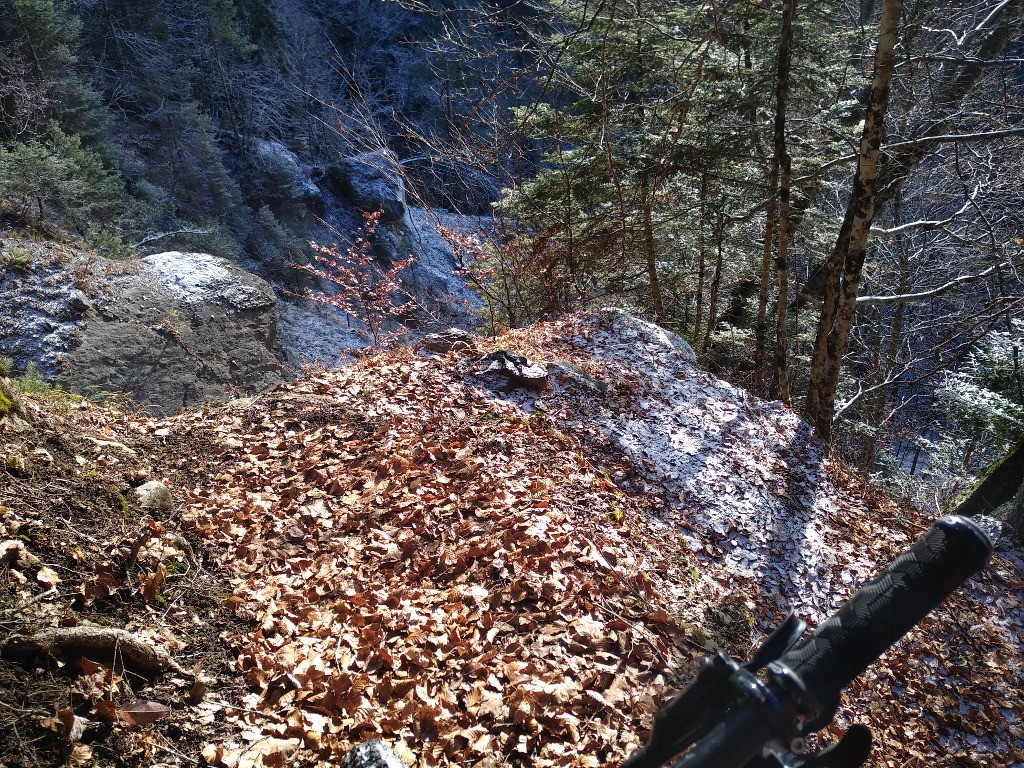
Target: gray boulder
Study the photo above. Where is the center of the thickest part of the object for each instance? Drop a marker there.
(186, 329)
(288, 176)
(569, 377)
(451, 340)
(632, 328)
(154, 496)
(371, 181)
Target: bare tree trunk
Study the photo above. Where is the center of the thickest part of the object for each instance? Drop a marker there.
(780, 381)
(1001, 484)
(843, 271)
(1015, 519)
(761, 324)
(701, 261)
(781, 161)
(716, 282)
(651, 257)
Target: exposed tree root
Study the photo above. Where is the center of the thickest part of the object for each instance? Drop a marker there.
(117, 644)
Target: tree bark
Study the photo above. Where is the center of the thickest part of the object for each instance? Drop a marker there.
(651, 257)
(780, 379)
(701, 261)
(903, 161)
(1000, 484)
(716, 282)
(844, 267)
(761, 324)
(1015, 520)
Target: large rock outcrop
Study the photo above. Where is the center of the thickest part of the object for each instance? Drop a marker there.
(371, 181)
(173, 330)
(187, 328)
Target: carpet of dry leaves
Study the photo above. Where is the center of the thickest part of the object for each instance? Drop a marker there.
(393, 551)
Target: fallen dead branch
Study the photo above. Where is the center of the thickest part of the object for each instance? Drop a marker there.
(133, 651)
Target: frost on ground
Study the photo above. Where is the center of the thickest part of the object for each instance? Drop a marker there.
(772, 523)
(747, 481)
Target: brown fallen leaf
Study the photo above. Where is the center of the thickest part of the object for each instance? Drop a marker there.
(48, 577)
(150, 583)
(142, 712)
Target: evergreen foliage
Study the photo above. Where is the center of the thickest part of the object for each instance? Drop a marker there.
(58, 174)
(656, 142)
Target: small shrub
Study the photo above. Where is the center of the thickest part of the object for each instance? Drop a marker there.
(173, 324)
(364, 289)
(16, 258)
(6, 366)
(32, 382)
(110, 243)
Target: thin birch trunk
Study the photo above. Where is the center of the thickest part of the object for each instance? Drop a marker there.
(846, 263)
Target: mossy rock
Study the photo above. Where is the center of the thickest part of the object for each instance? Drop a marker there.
(10, 403)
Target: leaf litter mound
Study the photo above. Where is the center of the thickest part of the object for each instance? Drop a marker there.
(486, 578)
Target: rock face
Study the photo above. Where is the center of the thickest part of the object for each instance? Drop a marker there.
(371, 181)
(433, 276)
(188, 328)
(42, 313)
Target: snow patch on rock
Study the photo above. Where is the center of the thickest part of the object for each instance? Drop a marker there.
(314, 333)
(202, 277)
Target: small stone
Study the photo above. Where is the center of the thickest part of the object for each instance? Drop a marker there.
(78, 301)
(154, 495)
(372, 754)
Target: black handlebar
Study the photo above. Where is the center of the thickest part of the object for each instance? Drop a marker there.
(733, 719)
(887, 607)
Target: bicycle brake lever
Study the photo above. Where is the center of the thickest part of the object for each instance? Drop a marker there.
(851, 751)
(778, 642)
(685, 719)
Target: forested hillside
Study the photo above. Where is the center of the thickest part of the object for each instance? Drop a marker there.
(698, 163)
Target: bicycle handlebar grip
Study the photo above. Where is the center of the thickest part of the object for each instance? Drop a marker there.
(886, 608)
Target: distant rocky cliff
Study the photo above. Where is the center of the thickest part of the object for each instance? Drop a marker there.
(176, 329)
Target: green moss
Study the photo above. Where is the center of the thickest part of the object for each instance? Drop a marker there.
(697, 634)
(128, 514)
(6, 404)
(16, 258)
(175, 567)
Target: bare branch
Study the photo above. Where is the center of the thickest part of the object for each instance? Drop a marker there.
(925, 224)
(162, 235)
(907, 298)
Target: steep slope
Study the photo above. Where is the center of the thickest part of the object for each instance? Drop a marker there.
(483, 577)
